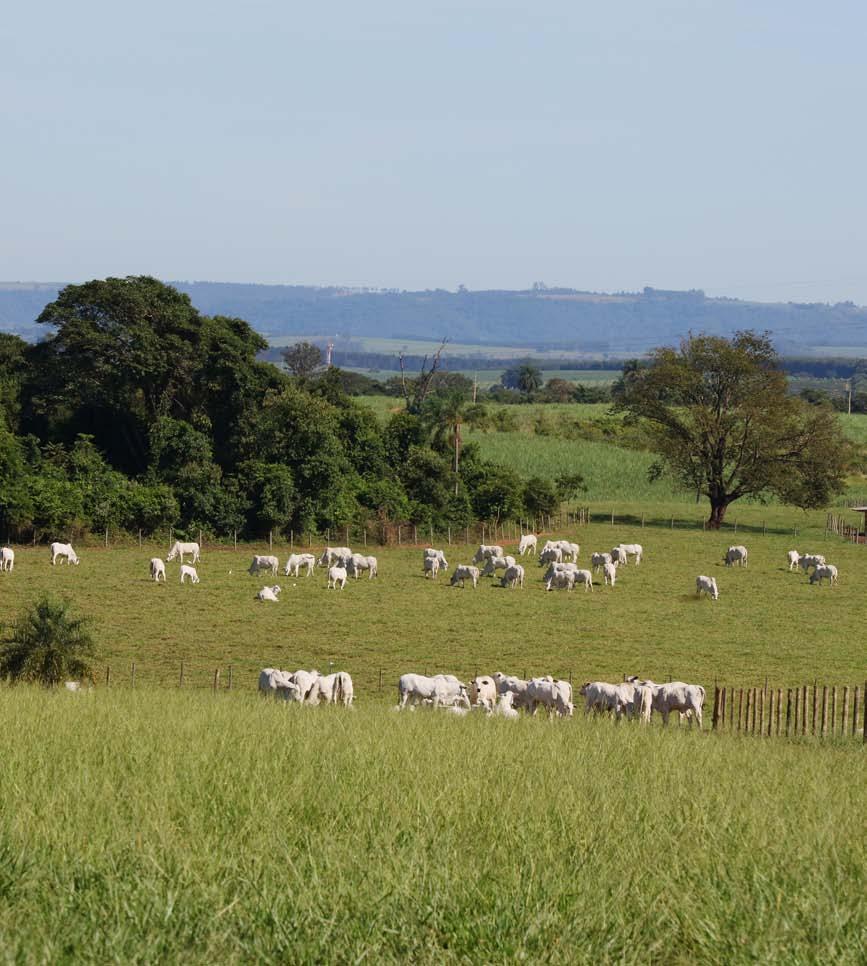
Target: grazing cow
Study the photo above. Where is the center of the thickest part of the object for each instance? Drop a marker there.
(609, 573)
(584, 577)
(188, 571)
(493, 564)
(486, 551)
(513, 577)
(158, 569)
(737, 555)
(527, 544)
(298, 560)
(332, 689)
(599, 696)
(623, 551)
(598, 560)
(706, 585)
(552, 695)
(336, 575)
(464, 572)
(279, 684)
(306, 682)
(179, 549)
(570, 550)
(431, 566)
(438, 555)
(263, 563)
(358, 562)
(560, 580)
(483, 690)
(440, 689)
(550, 555)
(687, 699)
(504, 706)
(65, 552)
(7, 558)
(822, 572)
(269, 593)
(516, 686)
(331, 555)
(811, 560)
(794, 559)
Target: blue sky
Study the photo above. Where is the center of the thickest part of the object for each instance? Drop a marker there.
(716, 145)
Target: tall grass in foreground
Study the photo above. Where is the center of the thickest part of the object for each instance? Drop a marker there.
(155, 825)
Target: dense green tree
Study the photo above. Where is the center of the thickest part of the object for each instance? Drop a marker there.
(718, 413)
(47, 644)
(302, 359)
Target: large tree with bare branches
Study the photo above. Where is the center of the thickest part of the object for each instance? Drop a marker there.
(719, 414)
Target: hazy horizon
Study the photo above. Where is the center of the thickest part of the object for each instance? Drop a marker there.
(679, 144)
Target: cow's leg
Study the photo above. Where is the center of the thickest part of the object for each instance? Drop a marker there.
(664, 714)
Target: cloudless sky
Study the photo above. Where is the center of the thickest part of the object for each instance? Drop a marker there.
(716, 144)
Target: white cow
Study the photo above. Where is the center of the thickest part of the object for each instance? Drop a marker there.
(811, 560)
(7, 558)
(188, 571)
(269, 593)
(623, 551)
(332, 555)
(298, 560)
(553, 695)
(336, 575)
(598, 560)
(706, 585)
(504, 705)
(263, 563)
(483, 690)
(550, 555)
(513, 577)
(609, 573)
(278, 683)
(687, 699)
(794, 559)
(570, 549)
(493, 564)
(517, 687)
(584, 577)
(485, 551)
(332, 689)
(179, 549)
(440, 689)
(158, 569)
(560, 580)
(306, 682)
(464, 572)
(527, 544)
(438, 555)
(358, 562)
(65, 552)
(599, 696)
(737, 555)
(822, 572)
(431, 566)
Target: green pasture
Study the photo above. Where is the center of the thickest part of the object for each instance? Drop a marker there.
(767, 623)
(162, 826)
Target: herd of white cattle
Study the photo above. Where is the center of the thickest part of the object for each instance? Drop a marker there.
(558, 556)
(499, 694)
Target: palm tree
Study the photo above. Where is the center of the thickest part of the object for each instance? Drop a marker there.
(529, 378)
(447, 415)
(47, 644)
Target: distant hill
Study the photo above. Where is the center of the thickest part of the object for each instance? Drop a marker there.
(550, 319)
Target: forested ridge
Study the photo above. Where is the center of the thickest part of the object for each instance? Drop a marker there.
(626, 322)
(136, 411)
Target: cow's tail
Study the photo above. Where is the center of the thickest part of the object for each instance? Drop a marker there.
(338, 694)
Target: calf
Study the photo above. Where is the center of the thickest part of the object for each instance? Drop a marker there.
(189, 571)
(527, 544)
(822, 572)
(158, 569)
(336, 575)
(513, 577)
(269, 593)
(298, 560)
(7, 558)
(464, 572)
(706, 585)
(737, 555)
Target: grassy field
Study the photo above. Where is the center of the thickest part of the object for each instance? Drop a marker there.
(768, 622)
(159, 826)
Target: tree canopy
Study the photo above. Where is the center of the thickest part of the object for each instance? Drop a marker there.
(718, 413)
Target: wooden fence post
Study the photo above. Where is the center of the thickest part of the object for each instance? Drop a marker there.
(229, 682)
(132, 675)
(844, 720)
(714, 724)
(855, 696)
(398, 534)
(804, 710)
(834, 711)
(216, 679)
(814, 721)
(139, 537)
(270, 539)
(108, 675)
(761, 713)
(865, 716)
(825, 711)
(181, 678)
(788, 712)
(750, 692)
(730, 702)
(722, 710)
(380, 679)
(779, 710)
(772, 696)
(740, 706)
